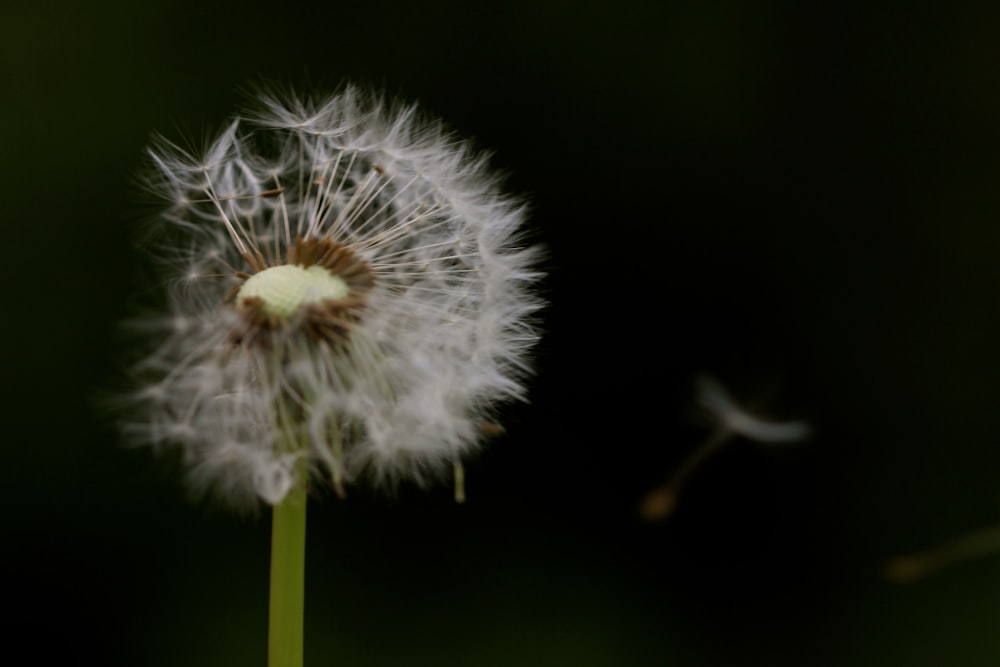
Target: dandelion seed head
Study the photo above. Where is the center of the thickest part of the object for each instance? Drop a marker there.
(347, 288)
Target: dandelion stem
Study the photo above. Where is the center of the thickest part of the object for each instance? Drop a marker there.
(288, 558)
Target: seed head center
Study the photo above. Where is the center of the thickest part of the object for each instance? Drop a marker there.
(281, 290)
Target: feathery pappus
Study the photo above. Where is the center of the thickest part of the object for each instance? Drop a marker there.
(349, 294)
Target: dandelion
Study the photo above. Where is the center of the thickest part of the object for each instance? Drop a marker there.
(349, 299)
(346, 293)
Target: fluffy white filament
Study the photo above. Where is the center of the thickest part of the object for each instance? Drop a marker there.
(734, 420)
(443, 335)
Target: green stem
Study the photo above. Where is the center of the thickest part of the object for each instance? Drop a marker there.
(288, 574)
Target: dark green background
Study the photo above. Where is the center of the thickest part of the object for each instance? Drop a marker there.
(803, 201)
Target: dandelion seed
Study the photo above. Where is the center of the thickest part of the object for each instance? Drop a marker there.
(734, 420)
(350, 299)
(966, 547)
(730, 420)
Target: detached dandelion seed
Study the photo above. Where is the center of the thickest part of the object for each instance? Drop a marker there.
(912, 567)
(730, 420)
(350, 301)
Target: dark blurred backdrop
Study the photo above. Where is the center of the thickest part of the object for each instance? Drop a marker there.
(800, 199)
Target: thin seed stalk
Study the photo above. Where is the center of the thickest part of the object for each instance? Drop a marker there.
(287, 593)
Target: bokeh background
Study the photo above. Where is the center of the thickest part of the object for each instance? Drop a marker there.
(799, 198)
